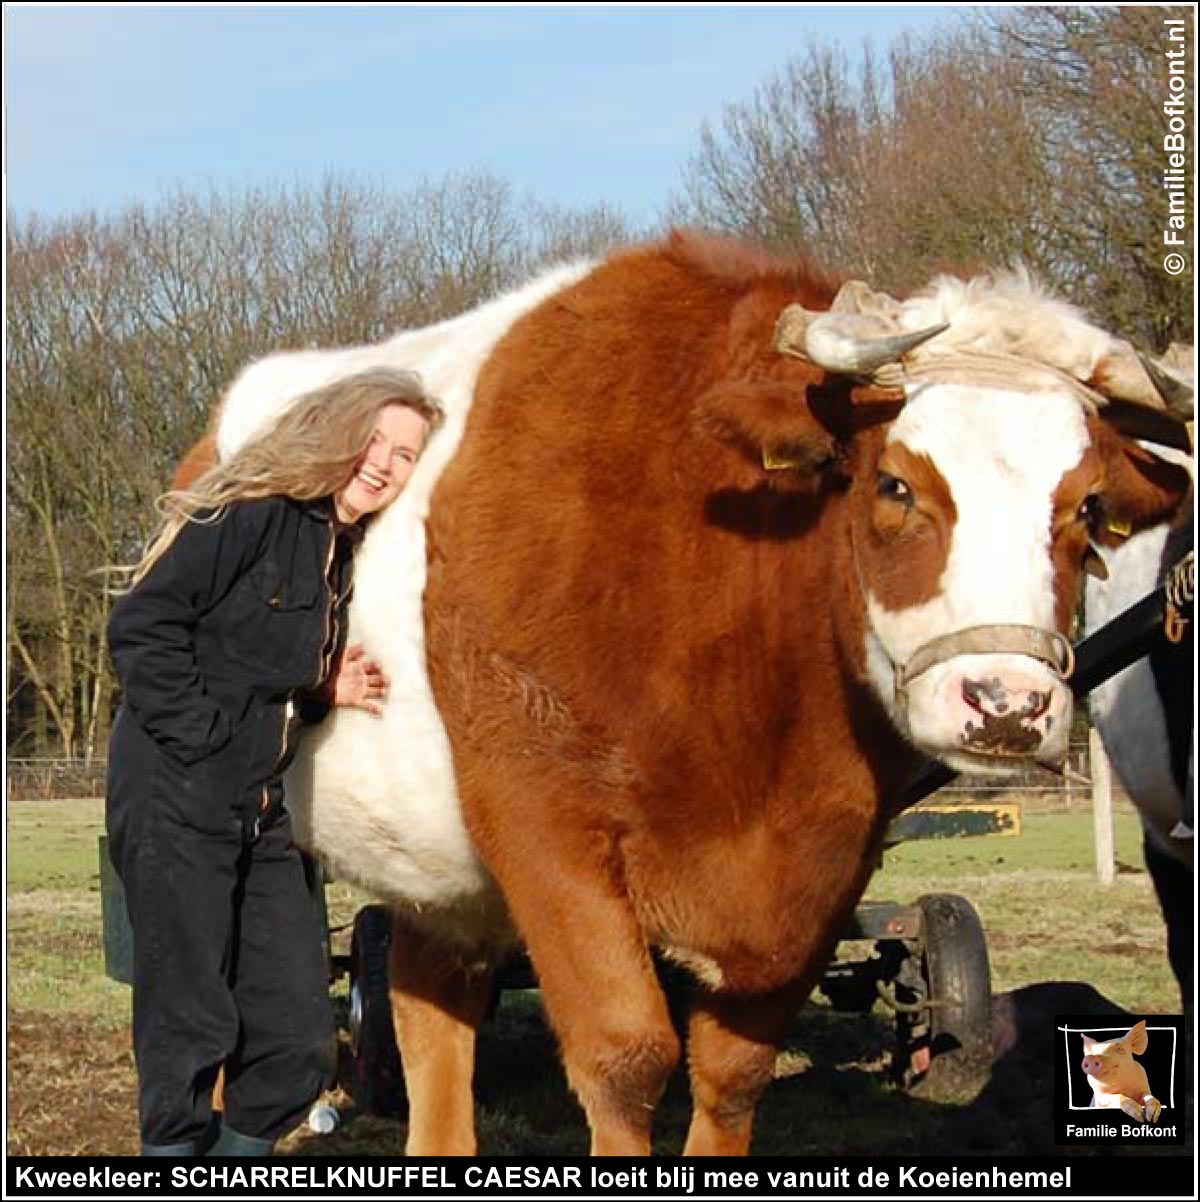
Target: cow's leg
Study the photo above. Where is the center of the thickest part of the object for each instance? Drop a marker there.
(600, 990)
(732, 1044)
(1174, 882)
(437, 1006)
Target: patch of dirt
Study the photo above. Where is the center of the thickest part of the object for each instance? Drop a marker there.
(1127, 948)
(1005, 941)
(69, 942)
(73, 1092)
(71, 1088)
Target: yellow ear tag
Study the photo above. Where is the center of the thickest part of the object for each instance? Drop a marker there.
(1120, 529)
(777, 463)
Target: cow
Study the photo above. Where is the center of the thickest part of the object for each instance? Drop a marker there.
(710, 554)
(1145, 713)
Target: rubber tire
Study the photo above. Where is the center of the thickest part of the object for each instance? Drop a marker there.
(954, 963)
(378, 1075)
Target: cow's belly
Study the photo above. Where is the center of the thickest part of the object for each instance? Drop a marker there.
(376, 798)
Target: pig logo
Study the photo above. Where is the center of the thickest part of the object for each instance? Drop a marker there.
(1103, 1076)
(1118, 1081)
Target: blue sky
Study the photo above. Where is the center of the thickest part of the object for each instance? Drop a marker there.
(109, 104)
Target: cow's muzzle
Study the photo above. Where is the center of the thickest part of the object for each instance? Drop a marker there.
(1002, 698)
(1048, 646)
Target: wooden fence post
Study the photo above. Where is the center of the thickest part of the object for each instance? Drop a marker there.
(1102, 813)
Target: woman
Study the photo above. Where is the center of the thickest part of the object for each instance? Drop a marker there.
(231, 637)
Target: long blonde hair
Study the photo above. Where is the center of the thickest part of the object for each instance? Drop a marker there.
(310, 451)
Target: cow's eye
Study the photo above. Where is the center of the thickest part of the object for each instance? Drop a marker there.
(892, 488)
(1092, 511)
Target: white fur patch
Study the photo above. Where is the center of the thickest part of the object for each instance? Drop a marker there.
(376, 797)
(1006, 312)
(1126, 708)
(1002, 454)
(704, 968)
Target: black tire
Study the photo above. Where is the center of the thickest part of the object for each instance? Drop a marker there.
(946, 1049)
(378, 1076)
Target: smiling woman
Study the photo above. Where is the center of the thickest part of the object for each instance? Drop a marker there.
(230, 639)
(385, 465)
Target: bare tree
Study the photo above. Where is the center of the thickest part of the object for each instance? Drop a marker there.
(72, 461)
(123, 331)
(1098, 79)
(1030, 134)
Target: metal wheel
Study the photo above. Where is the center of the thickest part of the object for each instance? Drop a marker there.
(378, 1076)
(944, 1025)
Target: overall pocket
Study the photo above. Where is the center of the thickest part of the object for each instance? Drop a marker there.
(275, 622)
(208, 795)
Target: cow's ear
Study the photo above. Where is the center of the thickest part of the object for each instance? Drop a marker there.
(770, 427)
(1141, 488)
(1138, 1038)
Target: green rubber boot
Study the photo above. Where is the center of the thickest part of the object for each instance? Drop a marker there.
(234, 1143)
(187, 1149)
(193, 1147)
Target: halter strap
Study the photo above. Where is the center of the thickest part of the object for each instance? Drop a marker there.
(1048, 646)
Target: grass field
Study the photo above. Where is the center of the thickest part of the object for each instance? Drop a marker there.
(71, 1081)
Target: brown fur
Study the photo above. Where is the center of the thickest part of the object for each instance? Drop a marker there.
(902, 548)
(647, 650)
(671, 605)
(1070, 534)
(196, 462)
(1139, 489)
(437, 1006)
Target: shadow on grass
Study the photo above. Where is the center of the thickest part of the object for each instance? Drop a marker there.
(833, 1094)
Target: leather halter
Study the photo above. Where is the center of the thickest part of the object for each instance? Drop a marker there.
(1048, 646)
(995, 638)
(997, 370)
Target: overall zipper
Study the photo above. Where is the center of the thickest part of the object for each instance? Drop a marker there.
(289, 710)
(327, 645)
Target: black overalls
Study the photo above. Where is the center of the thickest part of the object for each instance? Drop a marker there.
(221, 650)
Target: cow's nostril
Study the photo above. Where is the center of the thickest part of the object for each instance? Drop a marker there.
(978, 692)
(1036, 704)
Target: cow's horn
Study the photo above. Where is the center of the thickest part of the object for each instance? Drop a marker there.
(1133, 403)
(842, 344)
(855, 296)
(1178, 395)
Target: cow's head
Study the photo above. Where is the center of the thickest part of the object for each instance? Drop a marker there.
(977, 499)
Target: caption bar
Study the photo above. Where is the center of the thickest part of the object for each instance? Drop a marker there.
(607, 1178)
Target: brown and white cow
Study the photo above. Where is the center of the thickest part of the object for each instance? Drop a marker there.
(677, 600)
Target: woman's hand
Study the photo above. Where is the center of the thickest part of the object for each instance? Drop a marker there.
(360, 682)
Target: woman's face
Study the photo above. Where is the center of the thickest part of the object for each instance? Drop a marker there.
(384, 467)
